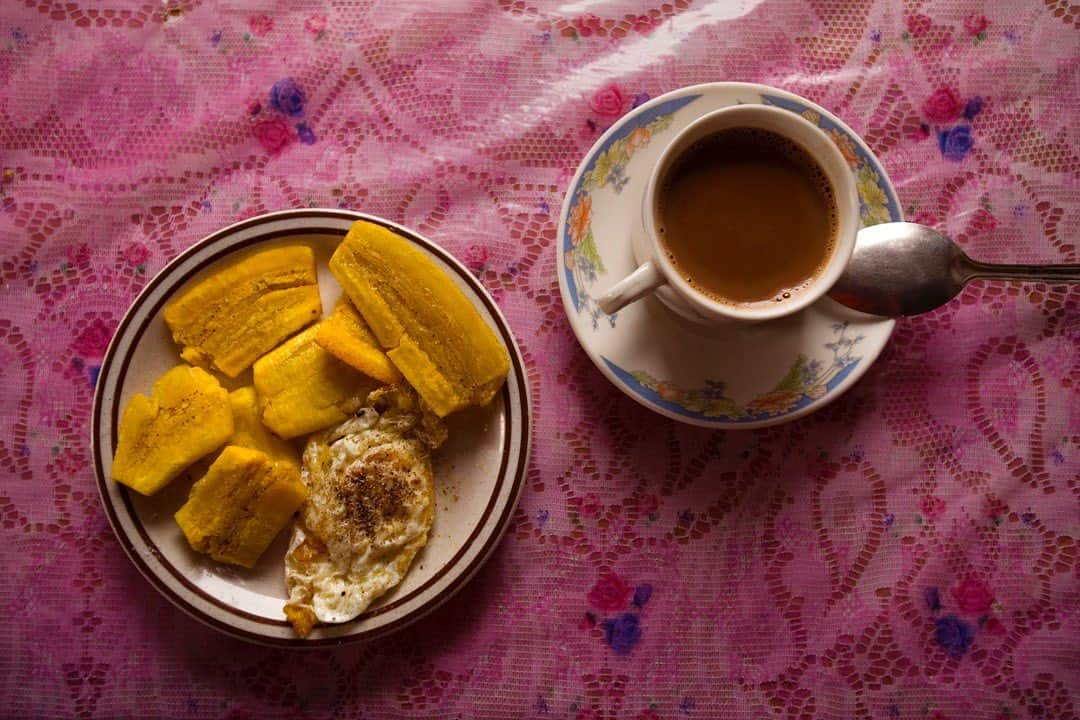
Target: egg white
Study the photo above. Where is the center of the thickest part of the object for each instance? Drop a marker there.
(370, 507)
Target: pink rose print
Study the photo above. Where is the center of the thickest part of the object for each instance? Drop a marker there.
(78, 255)
(92, 342)
(972, 595)
(476, 256)
(136, 254)
(982, 221)
(943, 105)
(608, 101)
(918, 24)
(994, 627)
(260, 25)
(315, 24)
(272, 135)
(610, 593)
(648, 504)
(932, 507)
(925, 218)
(589, 506)
(70, 461)
(975, 24)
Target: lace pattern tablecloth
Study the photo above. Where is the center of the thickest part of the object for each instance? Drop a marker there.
(909, 552)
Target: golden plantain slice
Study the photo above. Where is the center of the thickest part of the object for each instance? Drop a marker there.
(238, 313)
(302, 388)
(347, 337)
(250, 432)
(236, 510)
(429, 329)
(186, 418)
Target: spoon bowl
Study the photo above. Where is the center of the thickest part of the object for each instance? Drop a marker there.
(904, 268)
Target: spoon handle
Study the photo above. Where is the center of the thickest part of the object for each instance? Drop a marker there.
(1043, 273)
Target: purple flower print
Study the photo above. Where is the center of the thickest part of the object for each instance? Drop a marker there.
(622, 633)
(305, 133)
(953, 634)
(641, 595)
(956, 143)
(933, 598)
(288, 97)
(973, 107)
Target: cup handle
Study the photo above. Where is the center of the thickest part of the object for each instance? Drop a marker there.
(633, 287)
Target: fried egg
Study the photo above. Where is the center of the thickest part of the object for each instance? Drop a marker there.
(369, 510)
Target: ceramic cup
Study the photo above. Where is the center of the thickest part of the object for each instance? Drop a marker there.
(656, 270)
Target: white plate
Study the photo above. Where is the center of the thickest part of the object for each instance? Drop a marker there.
(731, 377)
(479, 472)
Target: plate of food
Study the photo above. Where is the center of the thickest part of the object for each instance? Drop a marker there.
(311, 428)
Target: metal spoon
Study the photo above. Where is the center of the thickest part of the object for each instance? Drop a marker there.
(904, 268)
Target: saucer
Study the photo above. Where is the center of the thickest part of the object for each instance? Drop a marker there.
(735, 376)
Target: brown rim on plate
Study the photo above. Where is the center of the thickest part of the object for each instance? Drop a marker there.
(518, 376)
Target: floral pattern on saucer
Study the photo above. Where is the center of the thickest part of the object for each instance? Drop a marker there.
(806, 381)
(605, 167)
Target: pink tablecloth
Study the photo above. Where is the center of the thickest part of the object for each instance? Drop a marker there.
(909, 552)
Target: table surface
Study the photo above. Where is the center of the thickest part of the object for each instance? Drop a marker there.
(908, 552)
